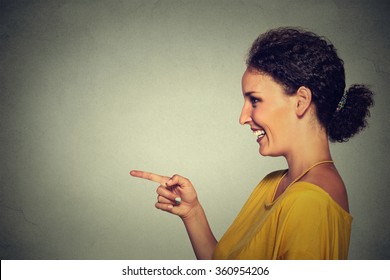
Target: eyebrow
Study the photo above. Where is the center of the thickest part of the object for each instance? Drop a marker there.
(250, 93)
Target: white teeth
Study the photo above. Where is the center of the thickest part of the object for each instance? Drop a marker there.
(259, 133)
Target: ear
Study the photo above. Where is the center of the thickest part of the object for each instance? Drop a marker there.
(303, 100)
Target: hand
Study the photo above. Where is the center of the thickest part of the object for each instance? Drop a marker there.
(176, 194)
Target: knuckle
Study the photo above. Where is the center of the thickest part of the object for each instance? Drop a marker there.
(178, 177)
(175, 177)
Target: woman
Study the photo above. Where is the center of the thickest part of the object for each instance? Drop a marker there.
(295, 103)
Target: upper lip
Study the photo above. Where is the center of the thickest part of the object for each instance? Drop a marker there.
(255, 129)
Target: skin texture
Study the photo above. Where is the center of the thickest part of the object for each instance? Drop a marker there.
(267, 107)
(189, 210)
(292, 131)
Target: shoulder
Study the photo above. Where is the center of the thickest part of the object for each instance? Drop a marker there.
(328, 179)
(307, 197)
(308, 202)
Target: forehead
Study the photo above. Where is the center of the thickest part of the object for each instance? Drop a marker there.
(253, 80)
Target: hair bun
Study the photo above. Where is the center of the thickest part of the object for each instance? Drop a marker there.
(352, 117)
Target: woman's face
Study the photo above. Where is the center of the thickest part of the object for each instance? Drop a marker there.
(269, 112)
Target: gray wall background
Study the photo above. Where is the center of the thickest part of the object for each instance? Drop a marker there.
(93, 89)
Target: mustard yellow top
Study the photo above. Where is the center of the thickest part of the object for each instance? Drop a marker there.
(304, 222)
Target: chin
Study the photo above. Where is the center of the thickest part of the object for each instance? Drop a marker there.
(264, 153)
(268, 153)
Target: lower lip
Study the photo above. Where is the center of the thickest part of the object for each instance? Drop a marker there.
(259, 139)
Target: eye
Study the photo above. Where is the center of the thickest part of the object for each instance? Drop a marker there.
(254, 100)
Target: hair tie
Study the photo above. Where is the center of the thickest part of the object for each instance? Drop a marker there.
(342, 102)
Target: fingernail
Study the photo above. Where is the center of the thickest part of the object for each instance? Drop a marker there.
(168, 182)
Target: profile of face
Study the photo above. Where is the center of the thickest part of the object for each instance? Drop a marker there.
(269, 112)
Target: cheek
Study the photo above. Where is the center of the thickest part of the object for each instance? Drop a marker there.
(259, 115)
(266, 114)
(278, 121)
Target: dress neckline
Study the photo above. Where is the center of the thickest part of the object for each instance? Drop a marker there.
(268, 205)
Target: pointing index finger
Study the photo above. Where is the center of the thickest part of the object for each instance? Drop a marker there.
(149, 176)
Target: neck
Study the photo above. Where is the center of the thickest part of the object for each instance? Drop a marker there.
(310, 150)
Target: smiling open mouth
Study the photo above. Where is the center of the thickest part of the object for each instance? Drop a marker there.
(259, 133)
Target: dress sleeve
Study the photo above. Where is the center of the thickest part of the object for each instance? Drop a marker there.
(307, 227)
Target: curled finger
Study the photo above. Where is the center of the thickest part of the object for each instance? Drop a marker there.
(178, 180)
(169, 195)
(162, 199)
(164, 206)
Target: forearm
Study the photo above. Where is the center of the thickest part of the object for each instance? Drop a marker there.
(198, 229)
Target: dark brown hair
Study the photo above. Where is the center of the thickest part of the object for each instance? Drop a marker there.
(295, 57)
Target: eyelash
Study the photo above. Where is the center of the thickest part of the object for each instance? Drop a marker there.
(254, 100)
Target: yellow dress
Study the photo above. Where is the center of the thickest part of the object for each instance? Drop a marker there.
(304, 222)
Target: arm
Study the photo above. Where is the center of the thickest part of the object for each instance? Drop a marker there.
(177, 196)
(198, 229)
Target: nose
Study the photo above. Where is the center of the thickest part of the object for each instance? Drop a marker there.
(245, 116)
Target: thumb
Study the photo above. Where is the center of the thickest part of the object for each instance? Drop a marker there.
(178, 180)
